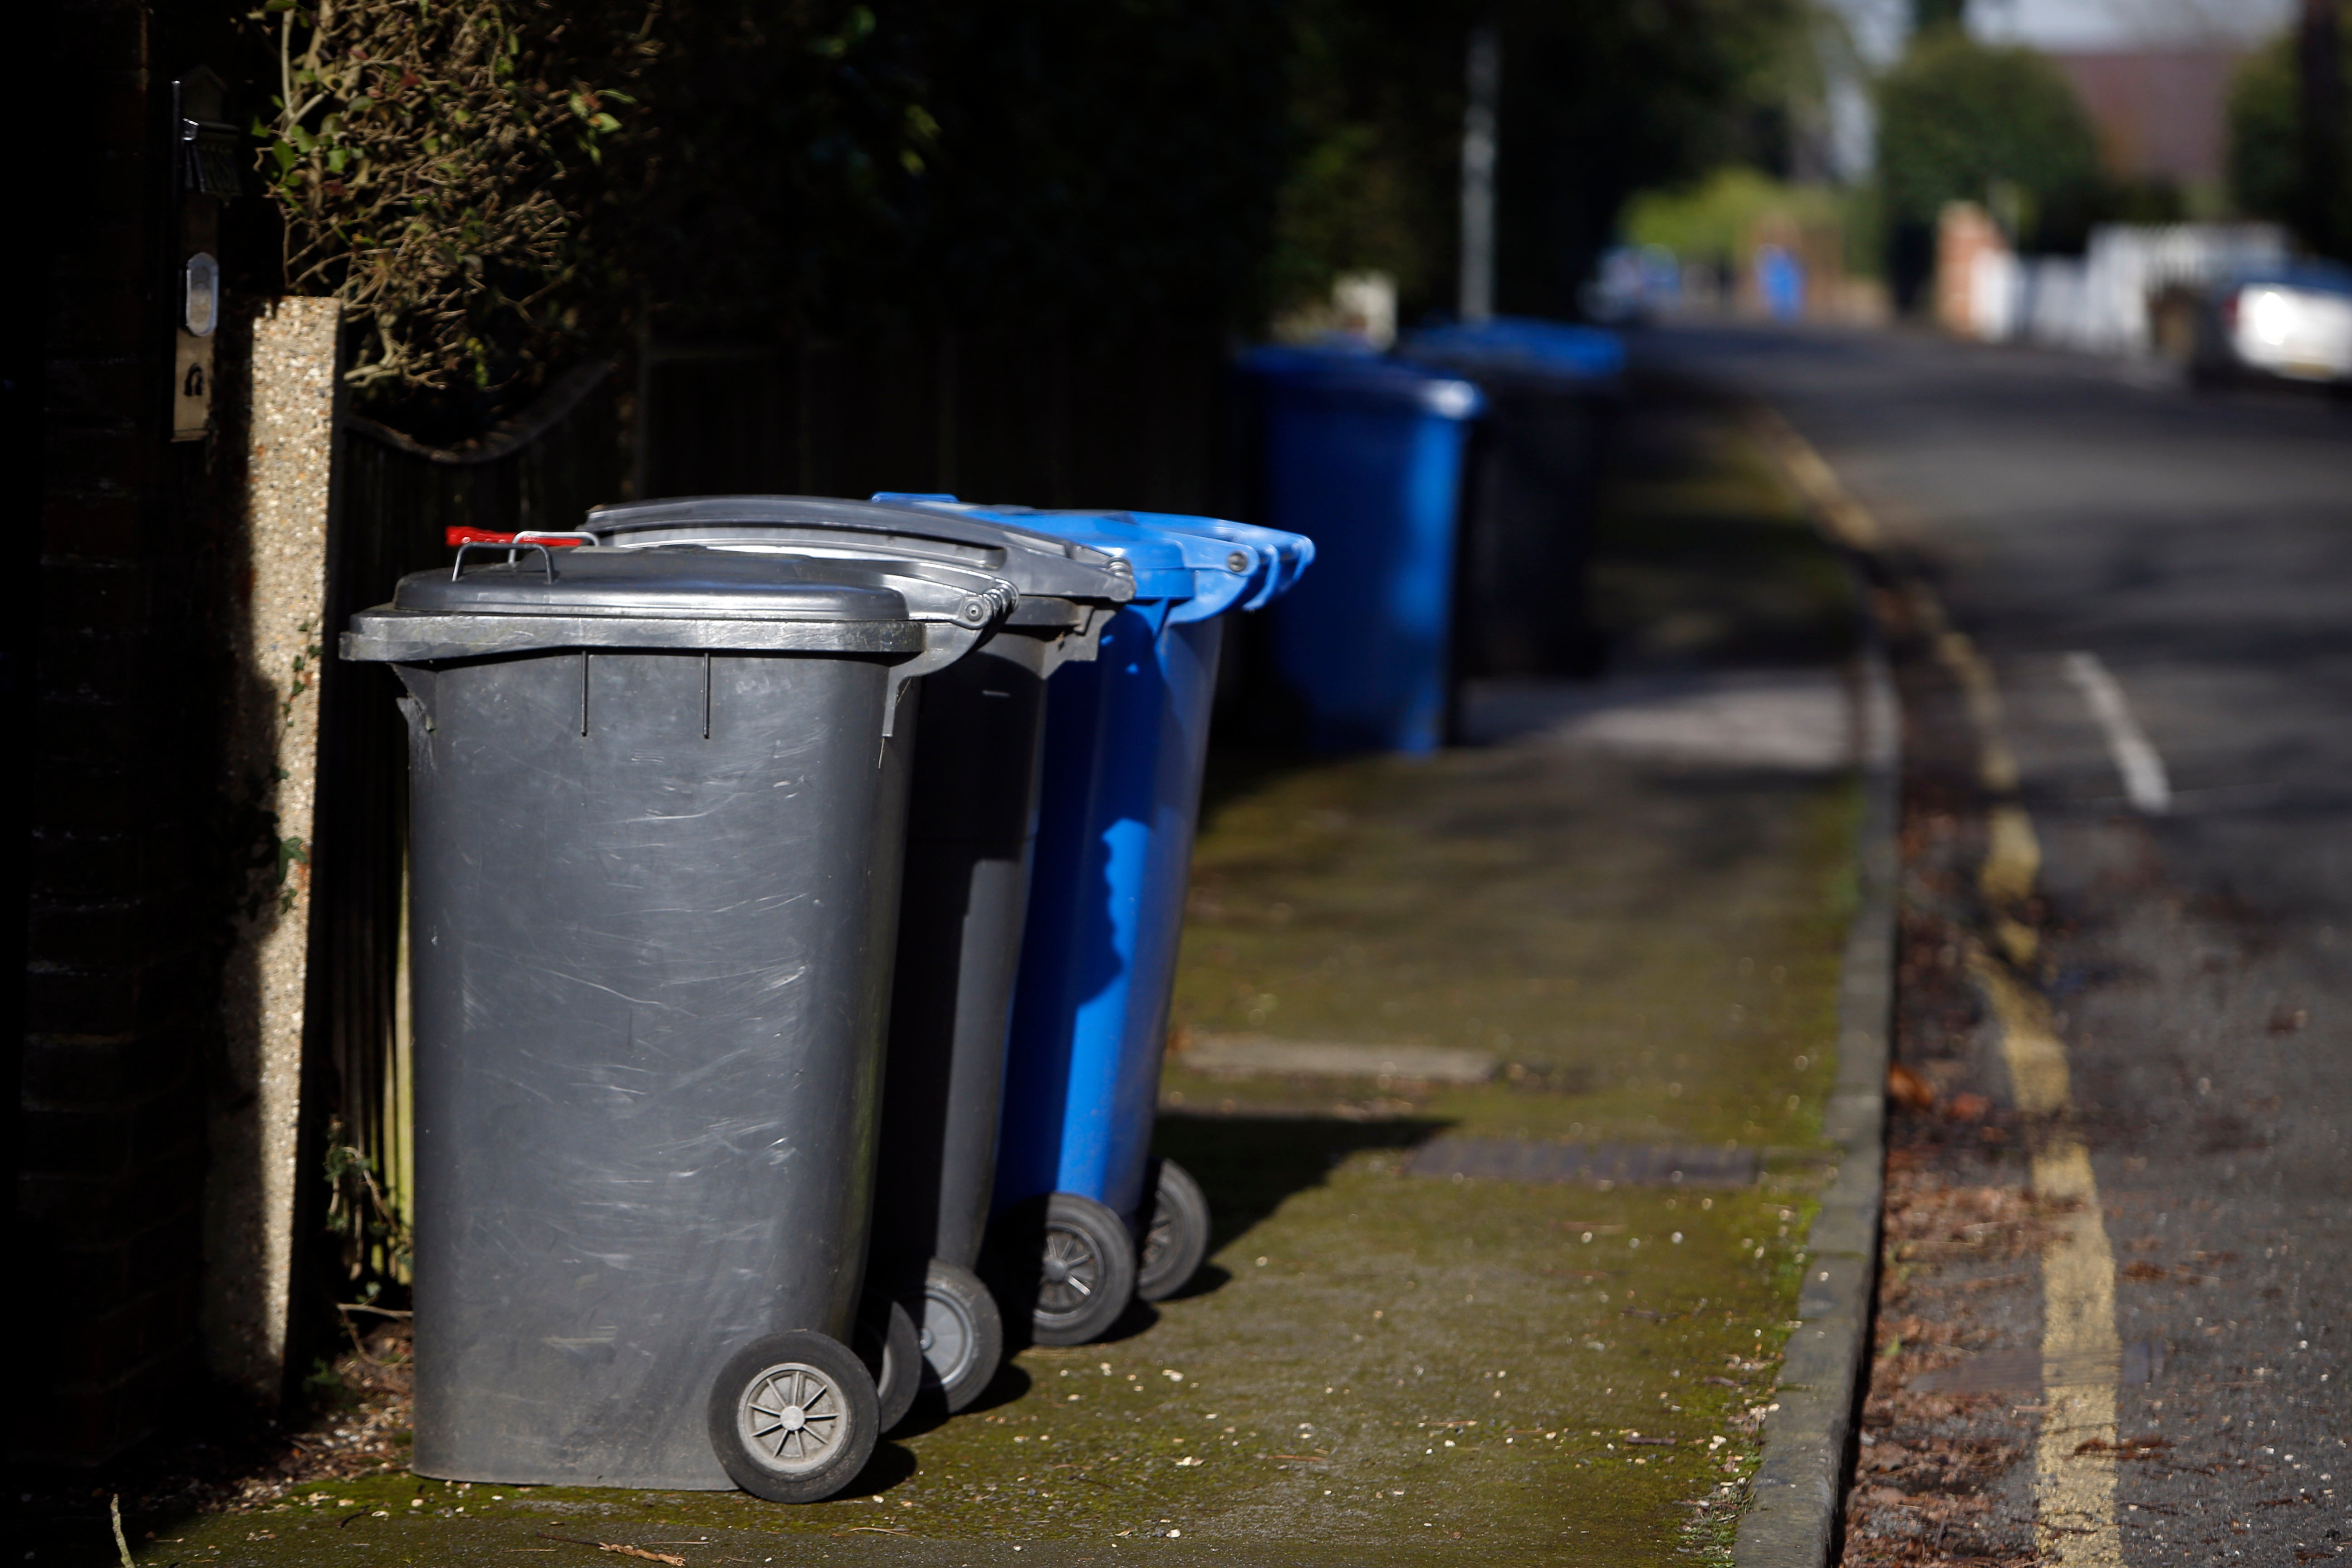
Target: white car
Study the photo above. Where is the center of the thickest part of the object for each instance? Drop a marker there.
(2293, 321)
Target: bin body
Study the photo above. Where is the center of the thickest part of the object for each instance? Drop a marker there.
(1367, 457)
(1125, 743)
(1533, 489)
(973, 777)
(1126, 740)
(651, 894)
(971, 835)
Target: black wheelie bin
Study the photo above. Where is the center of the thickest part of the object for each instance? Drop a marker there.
(652, 855)
(1532, 491)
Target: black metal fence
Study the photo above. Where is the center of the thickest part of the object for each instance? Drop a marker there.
(1053, 416)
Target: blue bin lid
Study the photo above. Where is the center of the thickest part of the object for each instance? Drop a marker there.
(1523, 343)
(1284, 555)
(1178, 559)
(1361, 376)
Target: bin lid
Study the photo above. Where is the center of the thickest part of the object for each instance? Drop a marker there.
(1038, 565)
(675, 597)
(1560, 349)
(1286, 554)
(1202, 567)
(1359, 376)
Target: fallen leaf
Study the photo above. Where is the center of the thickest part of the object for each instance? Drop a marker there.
(615, 1546)
(1908, 1089)
(1970, 1107)
(2287, 1020)
(2129, 1449)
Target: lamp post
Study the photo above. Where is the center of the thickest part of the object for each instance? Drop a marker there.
(1486, 81)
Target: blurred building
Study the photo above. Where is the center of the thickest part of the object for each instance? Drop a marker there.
(2154, 74)
(2162, 113)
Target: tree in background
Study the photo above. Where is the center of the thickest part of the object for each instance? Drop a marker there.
(956, 161)
(1960, 121)
(1371, 137)
(2272, 171)
(1601, 99)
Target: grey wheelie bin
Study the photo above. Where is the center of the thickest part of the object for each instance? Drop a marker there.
(653, 851)
(971, 841)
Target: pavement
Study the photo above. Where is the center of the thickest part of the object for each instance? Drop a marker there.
(1512, 1077)
(2112, 1325)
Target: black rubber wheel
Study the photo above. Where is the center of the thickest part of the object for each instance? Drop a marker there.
(1176, 1242)
(961, 1331)
(890, 1346)
(793, 1416)
(1069, 1261)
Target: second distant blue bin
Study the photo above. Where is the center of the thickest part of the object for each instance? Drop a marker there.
(1534, 491)
(1085, 1221)
(1365, 454)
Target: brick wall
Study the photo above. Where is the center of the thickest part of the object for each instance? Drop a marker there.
(122, 943)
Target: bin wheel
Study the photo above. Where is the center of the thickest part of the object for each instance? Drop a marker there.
(793, 1416)
(960, 1331)
(889, 1345)
(1068, 1264)
(1177, 1240)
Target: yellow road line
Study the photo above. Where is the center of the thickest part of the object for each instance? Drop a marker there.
(2075, 1458)
(2074, 1461)
(2012, 851)
(1844, 516)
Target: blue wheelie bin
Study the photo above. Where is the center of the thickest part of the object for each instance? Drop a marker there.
(1085, 1219)
(1533, 489)
(1367, 455)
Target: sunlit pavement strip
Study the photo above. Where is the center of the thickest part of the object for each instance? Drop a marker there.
(2074, 1462)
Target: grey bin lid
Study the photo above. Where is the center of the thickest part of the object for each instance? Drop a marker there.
(678, 597)
(1039, 564)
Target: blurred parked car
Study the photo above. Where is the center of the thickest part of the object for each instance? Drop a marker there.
(2291, 321)
(1634, 284)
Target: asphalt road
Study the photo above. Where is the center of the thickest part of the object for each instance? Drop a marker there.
(2189, 784)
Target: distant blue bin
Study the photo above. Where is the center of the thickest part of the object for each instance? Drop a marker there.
(1082, 1226)
(1533, 489)
(1591, 354)
(1366, 455)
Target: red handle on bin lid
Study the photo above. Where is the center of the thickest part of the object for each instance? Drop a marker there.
(455, 536)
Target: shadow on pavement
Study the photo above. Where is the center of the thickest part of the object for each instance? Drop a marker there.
(1248, 1165)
